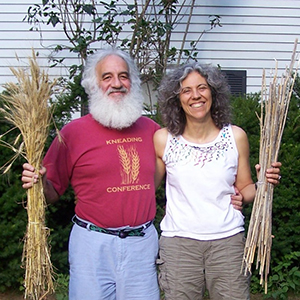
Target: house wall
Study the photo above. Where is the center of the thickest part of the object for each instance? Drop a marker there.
(254, 34)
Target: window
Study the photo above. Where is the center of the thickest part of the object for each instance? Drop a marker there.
(237, 81)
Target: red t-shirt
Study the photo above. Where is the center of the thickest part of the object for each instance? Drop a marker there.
(111, 171)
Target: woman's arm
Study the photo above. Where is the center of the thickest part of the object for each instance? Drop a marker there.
(160, 140)
(244, 181)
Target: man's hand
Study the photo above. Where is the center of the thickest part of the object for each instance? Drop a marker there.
(29, 175)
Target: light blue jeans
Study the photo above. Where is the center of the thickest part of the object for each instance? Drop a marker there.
(106, 267)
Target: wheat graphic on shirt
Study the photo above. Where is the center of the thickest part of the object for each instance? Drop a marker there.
(130, 164)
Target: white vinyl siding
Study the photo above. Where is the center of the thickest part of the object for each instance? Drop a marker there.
(254, 34)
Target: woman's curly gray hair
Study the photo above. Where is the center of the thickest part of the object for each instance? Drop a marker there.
(89, 77)
(172, 114)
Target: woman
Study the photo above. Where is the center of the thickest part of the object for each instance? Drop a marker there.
(205, 158)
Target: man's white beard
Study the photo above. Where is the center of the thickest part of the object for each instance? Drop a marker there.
(116, 114)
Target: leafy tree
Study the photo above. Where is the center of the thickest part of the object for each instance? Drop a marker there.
(286, 215)
(13, 222)
(88, 24)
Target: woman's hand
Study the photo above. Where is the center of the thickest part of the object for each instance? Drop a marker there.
(237, 200)
(272, 174)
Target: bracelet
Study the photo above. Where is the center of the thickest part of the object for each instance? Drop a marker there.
(258, 183)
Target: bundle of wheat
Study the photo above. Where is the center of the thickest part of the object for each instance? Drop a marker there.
(274, 108)
(26, 107)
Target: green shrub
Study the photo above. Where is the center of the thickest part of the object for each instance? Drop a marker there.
(284, 264)
(62, 287)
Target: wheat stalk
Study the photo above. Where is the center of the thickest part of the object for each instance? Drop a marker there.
(274, 108)
(26, 107)
(125, 162)
(135, 165)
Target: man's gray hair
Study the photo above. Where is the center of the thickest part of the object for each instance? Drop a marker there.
(89, 78)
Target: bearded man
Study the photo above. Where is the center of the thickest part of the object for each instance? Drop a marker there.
(109, 159)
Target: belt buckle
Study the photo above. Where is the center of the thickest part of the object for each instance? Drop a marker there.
(123, 234)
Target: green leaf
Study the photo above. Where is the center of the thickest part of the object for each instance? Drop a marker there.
(88, 8)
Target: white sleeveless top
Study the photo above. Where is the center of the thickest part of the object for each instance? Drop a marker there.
(200, 179)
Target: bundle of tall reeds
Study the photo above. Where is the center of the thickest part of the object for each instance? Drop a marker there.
(274, 108)
(26, 107)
